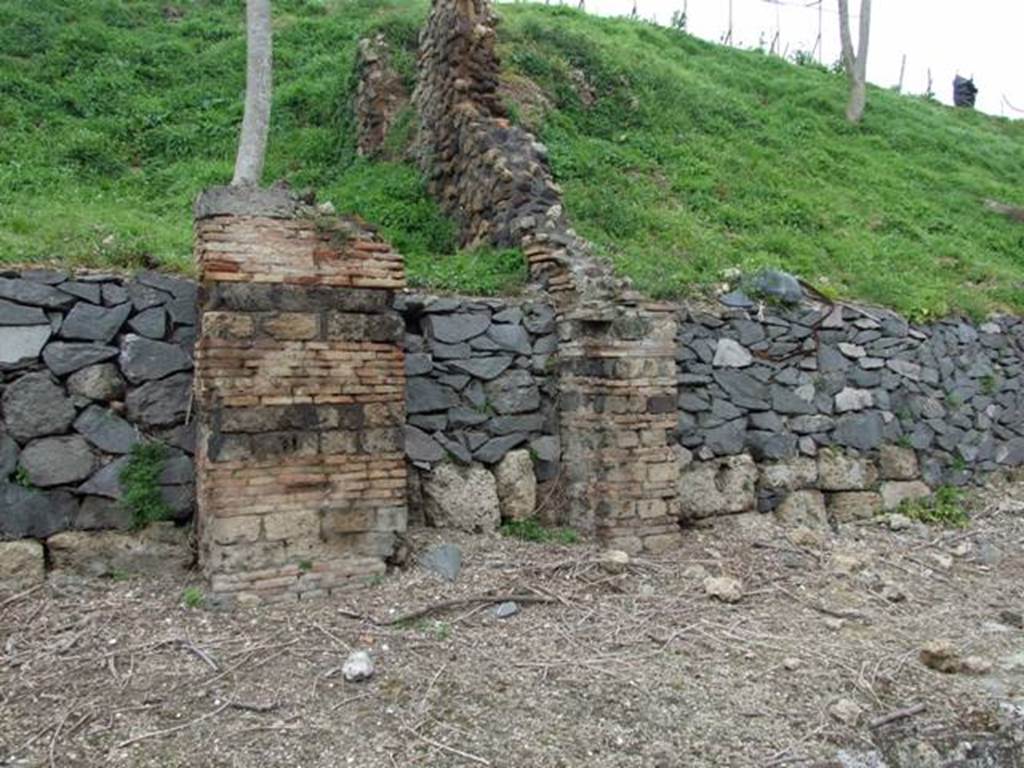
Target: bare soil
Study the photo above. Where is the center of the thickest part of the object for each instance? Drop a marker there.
(639, 668)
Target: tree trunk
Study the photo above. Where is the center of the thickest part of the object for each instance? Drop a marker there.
(252, 144)
(858, 99)
(856, 64)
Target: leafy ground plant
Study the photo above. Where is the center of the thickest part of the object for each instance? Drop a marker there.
(140, 488)
(192, 597)
(945, 507)
(531, 529)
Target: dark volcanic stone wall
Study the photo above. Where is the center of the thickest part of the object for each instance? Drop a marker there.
(792, 385)
(481, 381)
(90, 366)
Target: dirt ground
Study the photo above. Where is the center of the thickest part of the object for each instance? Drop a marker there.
(640, 668)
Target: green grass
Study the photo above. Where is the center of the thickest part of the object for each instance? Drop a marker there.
(140, 484)
(192, 597)
(944, 507)
(531, 529)
(693, 159)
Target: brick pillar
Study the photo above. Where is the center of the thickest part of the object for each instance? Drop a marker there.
(301, 398)
(618, 415)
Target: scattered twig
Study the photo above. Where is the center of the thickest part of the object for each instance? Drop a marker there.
(898, 714)
(175, 729)
(444, 605)
(445, 748)
(15, 598)
(246, 707)
(197, 651)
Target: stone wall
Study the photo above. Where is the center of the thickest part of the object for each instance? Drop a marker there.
(380, 95)
(814, 412)
(90, 366)
(490, 175)
(480, 380)
(853, 402)
(301, 388)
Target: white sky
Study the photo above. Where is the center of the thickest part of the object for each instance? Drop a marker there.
(982, 38)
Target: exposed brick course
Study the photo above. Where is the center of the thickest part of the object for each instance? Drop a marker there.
(300, 384)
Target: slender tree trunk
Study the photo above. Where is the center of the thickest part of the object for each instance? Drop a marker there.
(856, 64)
(252, 144)
(858, 100)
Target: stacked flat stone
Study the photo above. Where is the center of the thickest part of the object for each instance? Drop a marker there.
(90, 366)
(380, 95)
(480, 381)
(618, 418)
(785, 384)
(300, 378)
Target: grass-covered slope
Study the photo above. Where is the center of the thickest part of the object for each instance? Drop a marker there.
(678, 158)
(115, 113)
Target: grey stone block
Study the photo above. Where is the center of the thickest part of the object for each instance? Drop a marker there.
(101, 382)
(160, 403)
(421, 447)
(94, 323)
(513, 392)
(64, 357)
(423, 395)
(105, 430)
(453, 329)
(81, 290)
(34, 294)
(34, 513)
(106, 481)
(495, 449)
(143, 359)
(17, 314)
(35, 406)
(151, 323)
(21, 344)
(50, 461)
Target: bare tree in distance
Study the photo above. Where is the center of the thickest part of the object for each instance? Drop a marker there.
(856, 65)
(252, 143)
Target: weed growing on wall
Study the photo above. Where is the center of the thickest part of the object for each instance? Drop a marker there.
(140, 488)
(945, 507)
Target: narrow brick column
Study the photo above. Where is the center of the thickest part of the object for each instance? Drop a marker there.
(301, 398)
(618, 415)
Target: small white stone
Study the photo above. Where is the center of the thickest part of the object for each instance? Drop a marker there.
(850, 399)
(696, 571)
(899, 522)
(724, 588)
(358, 667)
(854, 351)
(942, 560)
(506, 610)
(614, 561)
(976, 665)
(791, 663)
(846, 711)
(731, 354)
